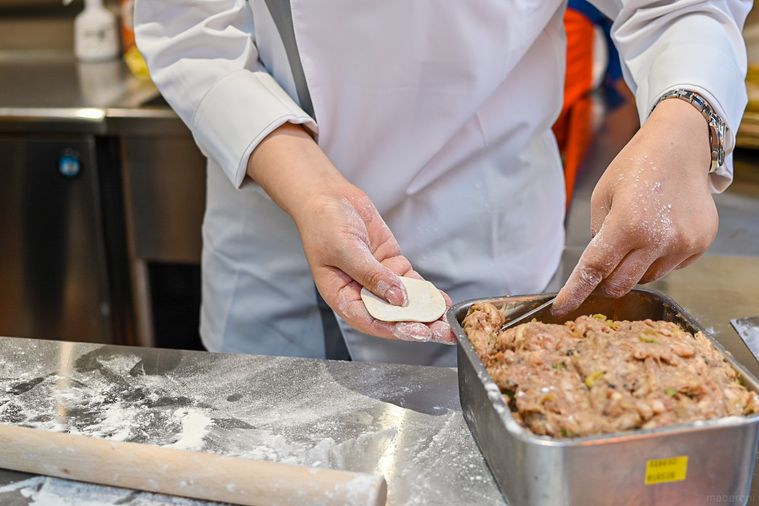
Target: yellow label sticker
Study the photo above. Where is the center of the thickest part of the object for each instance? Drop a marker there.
(666, 470)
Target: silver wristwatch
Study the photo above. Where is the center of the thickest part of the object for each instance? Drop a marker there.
(721, 140)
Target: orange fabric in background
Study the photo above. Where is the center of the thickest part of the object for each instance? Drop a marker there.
(572, 128)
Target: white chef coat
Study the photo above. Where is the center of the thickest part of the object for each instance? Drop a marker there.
(439, 110)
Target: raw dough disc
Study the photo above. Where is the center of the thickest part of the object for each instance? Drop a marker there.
(425, 303)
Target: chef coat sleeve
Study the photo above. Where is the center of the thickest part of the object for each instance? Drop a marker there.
(691, 44)
(203, 58)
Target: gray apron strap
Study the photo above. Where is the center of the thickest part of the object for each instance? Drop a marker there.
(334, 343)
(283, 20)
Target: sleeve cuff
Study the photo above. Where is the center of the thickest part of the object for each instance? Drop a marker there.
(706, 67)
(238, 113)
(721, 178)
(691, 65)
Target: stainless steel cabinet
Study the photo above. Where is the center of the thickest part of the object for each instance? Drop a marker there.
(164, 195)
(53, 274)
(164, 186)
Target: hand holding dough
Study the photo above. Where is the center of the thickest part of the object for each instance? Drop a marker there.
(425, 303)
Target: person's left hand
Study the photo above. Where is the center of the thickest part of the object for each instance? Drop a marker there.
(651, 212)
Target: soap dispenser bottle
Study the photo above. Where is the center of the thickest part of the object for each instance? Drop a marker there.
(96, 36)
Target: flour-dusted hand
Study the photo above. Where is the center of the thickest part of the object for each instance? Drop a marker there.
(349, 246)
(651, 212)
(347, 243)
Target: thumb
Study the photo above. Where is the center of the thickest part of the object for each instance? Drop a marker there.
(360, 264)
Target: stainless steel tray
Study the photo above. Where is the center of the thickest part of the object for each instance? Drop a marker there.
(610, 468)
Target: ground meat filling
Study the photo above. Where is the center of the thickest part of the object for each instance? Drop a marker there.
(594, 375)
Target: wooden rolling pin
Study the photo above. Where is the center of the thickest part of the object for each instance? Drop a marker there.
(184, 473)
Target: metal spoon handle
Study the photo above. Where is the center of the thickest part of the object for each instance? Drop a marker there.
(528, 315)
(748, 330)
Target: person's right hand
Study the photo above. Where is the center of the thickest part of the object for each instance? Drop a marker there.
(349, 246)
(347, 243)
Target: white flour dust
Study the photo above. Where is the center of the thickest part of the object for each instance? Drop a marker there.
(44, 491)
(195, 426)
(317, 414)
(112, 399)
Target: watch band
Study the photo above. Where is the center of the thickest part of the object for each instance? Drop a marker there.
(720, 136)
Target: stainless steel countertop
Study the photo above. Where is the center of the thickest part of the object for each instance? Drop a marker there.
(52, 91)
(402, 421)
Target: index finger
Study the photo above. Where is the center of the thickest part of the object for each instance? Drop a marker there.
(605, 251)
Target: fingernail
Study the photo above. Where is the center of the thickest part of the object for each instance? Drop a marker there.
(396, 296)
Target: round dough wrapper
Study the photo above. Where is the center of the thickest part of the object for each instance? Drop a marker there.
(425, 303)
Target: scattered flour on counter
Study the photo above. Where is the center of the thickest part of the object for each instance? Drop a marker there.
(115, 425)
(317, 414)
(44, 491)
(18, 485)
(262, 444)
(195, 426)
(110, 398)
(119, 364)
